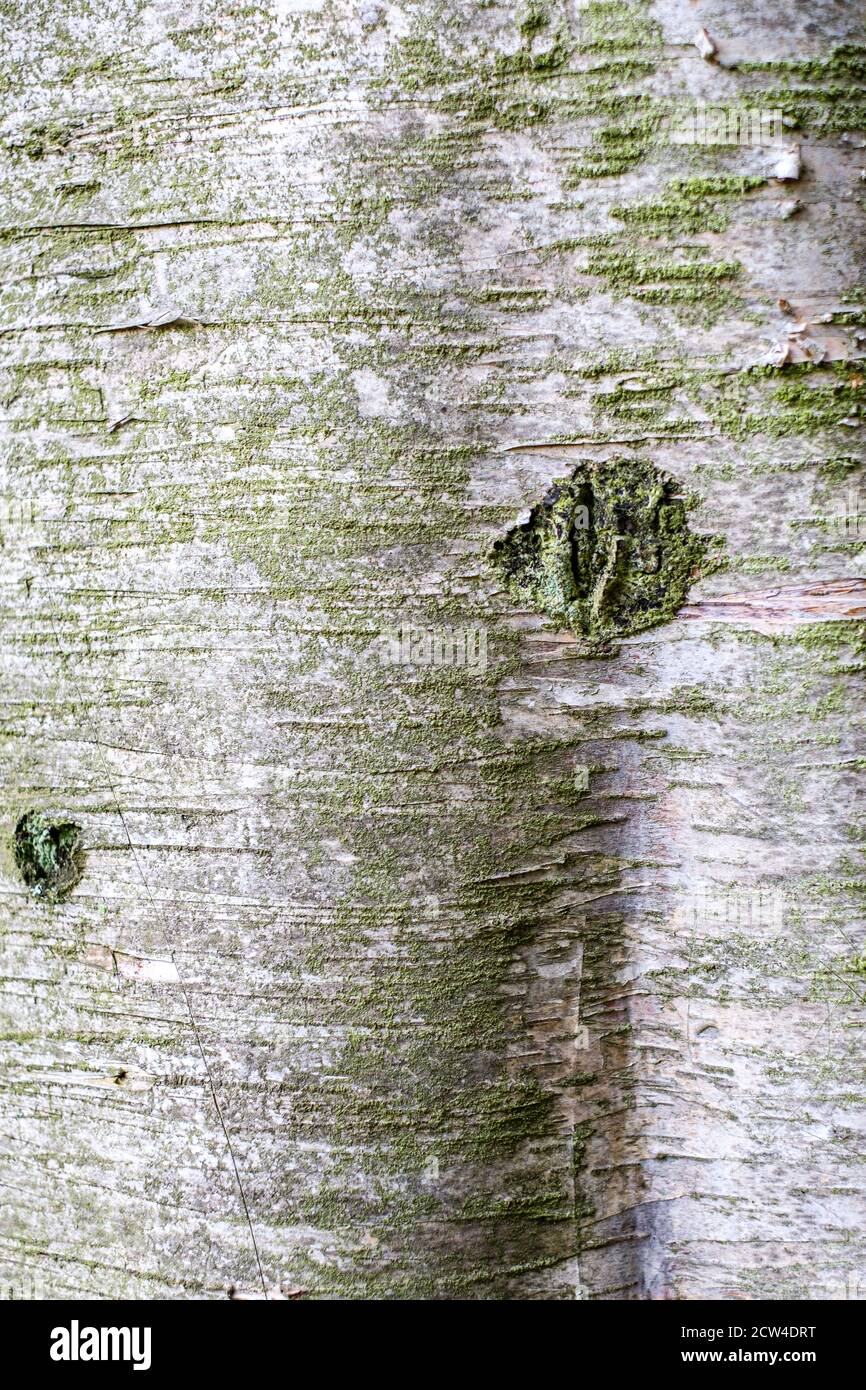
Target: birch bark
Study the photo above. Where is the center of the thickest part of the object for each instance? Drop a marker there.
(420, 951)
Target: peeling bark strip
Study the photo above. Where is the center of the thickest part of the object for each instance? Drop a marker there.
(834, 601)
(520, 982)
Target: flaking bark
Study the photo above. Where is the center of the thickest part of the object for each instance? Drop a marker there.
(533, 980)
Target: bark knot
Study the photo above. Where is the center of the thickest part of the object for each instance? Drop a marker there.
(607, 552)
(49, 855)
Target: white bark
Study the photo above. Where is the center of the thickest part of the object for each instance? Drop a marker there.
(516, 982)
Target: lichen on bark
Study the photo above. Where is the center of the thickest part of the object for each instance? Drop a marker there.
(49, 855)
(607, 553)
(459, 1008)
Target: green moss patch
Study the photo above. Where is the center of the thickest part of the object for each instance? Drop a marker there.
(49, 855)
(607, 553)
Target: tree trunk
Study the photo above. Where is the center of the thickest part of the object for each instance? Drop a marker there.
(466, 900)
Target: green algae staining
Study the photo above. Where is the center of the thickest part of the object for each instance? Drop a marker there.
(607, 553)
(49, 855)
(823, 92)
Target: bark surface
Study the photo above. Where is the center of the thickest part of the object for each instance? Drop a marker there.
(530, 966)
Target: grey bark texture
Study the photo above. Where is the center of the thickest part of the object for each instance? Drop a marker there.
(422, 947)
